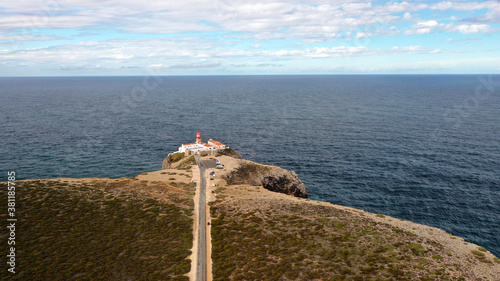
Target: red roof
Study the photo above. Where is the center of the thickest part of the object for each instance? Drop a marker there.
(185, 144)
(210, 143)
(216, 142)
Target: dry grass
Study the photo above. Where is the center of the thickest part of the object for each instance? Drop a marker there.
(260, 235)
(102, 230)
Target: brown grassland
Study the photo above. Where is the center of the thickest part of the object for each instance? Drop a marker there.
(261, 235)
(101, 229)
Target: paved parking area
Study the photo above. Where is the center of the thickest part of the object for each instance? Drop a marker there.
(209, 163)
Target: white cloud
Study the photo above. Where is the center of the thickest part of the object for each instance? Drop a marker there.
(414, 50)
(258, 30)
(184, 66)
(470, 28)
(294, 19)
(28, 37)
(432, 25)
(404, 7)
(464, 6)
(119, 52)
(343, 51)
(422, 27)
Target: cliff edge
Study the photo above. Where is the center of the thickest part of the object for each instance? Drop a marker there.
(270, 177)
(242, 171)
(175, 160)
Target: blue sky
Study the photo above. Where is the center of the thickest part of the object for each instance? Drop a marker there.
(233, 37)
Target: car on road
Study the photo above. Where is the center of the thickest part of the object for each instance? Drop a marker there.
(212, 173)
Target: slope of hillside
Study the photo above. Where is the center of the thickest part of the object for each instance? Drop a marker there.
(262, 235)
(102, 229)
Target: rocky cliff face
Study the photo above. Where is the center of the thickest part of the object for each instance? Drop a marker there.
(270, 177)
(171, 159)
(230, 152)
(285, 182)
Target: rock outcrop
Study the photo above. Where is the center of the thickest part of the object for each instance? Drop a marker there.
(229, 152)
(284, 181)
(270, 177)
(172, 159)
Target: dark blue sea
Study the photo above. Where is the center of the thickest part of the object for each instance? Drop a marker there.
(416, 147)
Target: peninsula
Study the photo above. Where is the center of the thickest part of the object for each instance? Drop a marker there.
(255, 221)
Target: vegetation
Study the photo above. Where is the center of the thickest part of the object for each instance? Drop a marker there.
(104, 230)
(176, 157)
(247, 173)
(186, 163)
(229, 152)
(478, 253)
(280, 240)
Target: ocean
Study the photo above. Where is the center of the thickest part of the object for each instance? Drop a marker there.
(424, 148)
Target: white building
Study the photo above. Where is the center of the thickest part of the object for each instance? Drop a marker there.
(199, 147)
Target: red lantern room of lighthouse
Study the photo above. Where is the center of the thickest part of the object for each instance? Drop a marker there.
(198, 137)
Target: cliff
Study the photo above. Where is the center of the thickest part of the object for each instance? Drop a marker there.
(171, 159)
(270, 177)
(178, 160)
(229, 152)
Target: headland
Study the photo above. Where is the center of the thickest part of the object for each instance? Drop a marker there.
(262, 227)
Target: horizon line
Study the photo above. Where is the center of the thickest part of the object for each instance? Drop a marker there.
(234, 75)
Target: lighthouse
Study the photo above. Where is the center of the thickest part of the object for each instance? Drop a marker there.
(198, 137)
(202, 148)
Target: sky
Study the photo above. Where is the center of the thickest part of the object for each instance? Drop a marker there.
(240, 37)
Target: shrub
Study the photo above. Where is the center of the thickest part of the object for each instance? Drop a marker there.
(478, 253)
(176, 157)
